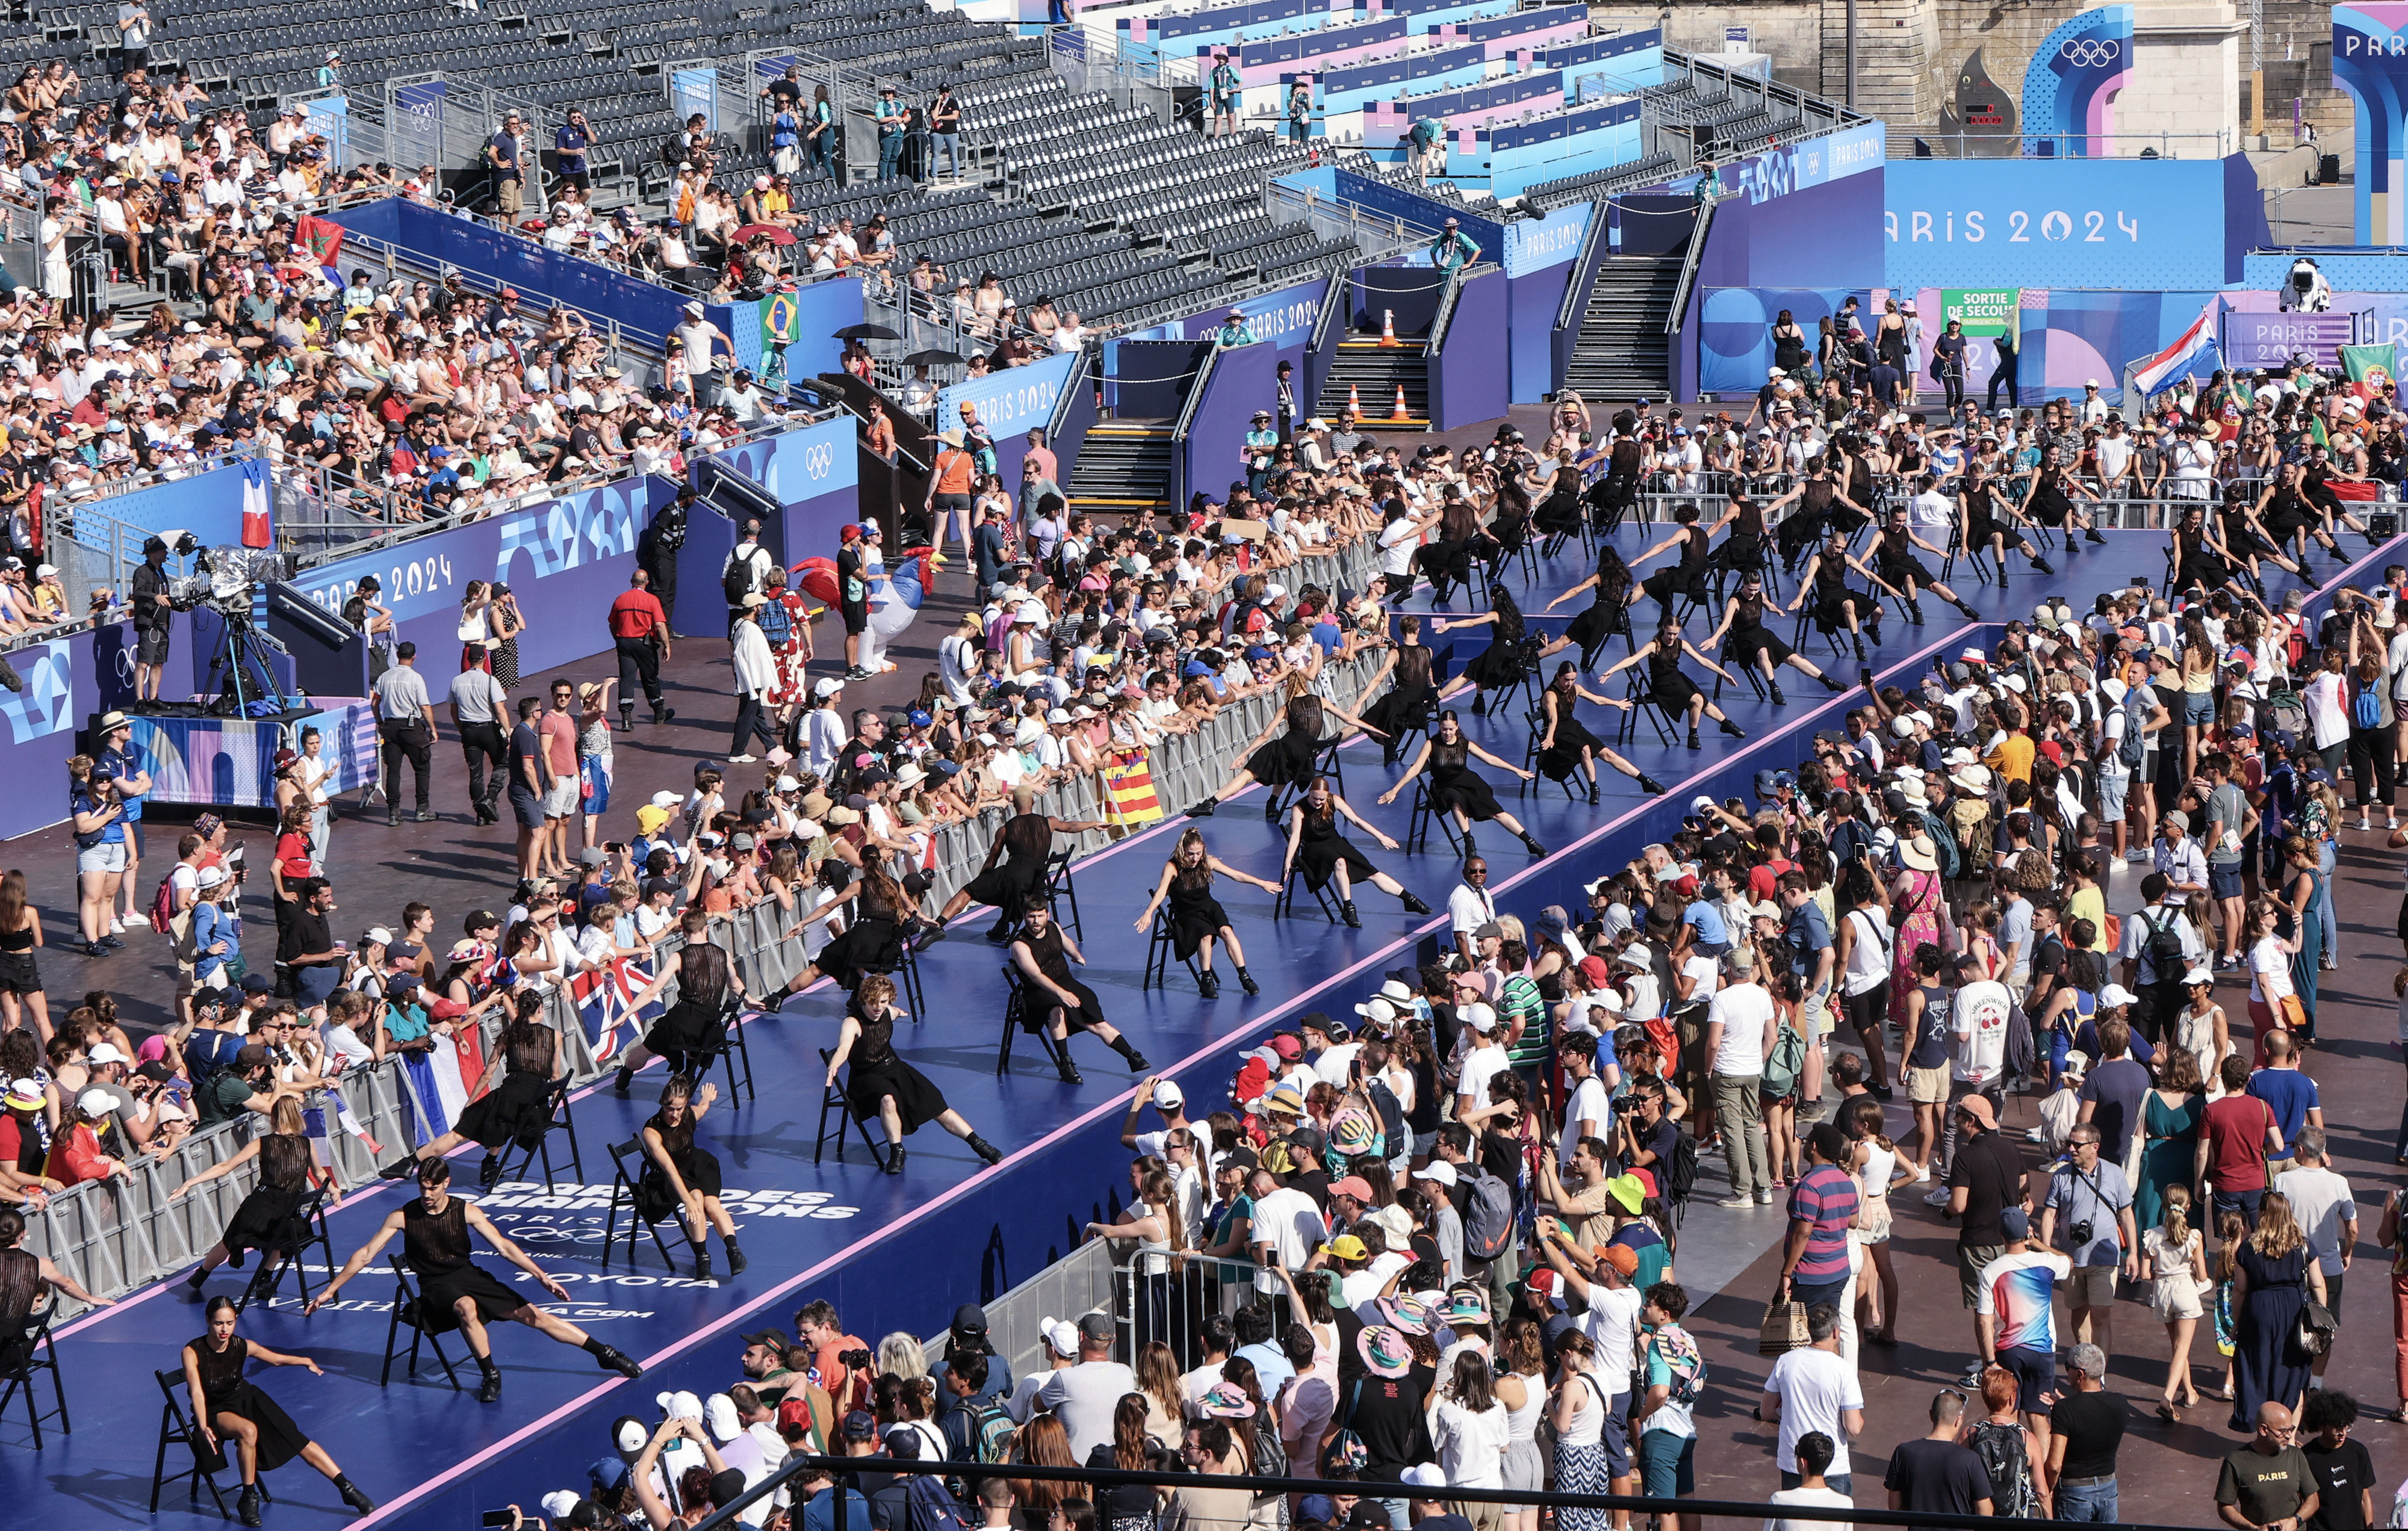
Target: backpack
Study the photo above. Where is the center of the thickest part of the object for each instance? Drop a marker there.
(1681, 1175)
(2001, 1451)
(986, 1424)
(2131, 746)
(1943, 840)
(926, 1505)
(2164, 945)
(2286, 710)
(1390, 1112)
(736, 583)
(163, 905)
(1782, 1065)
(777, 623)
(2367, 711)
(1487, 1216)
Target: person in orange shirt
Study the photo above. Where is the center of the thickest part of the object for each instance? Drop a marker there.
(949, 480)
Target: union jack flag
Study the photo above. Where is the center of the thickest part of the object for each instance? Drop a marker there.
(605, 998)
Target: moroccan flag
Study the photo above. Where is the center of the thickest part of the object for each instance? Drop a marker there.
(320, 238)
(2368, 368)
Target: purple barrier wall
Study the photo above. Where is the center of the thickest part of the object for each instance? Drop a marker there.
(69, 681)
(1827, 236)
(1530, 312)
(1471, 375)
(1148, 380)
(1244, 380)
(540, 274)
(1411, 291)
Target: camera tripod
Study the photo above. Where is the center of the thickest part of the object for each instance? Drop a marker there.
(250, 673)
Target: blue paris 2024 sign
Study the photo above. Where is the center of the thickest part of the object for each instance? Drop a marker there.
(2370, 61)
(2108, 223)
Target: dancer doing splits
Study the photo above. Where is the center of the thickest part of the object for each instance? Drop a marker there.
(264, 1220)
(683, 1177)
(1044, 951)
(882, 1087)
(455, 1291)
(1286, 761)
(1607, 615)
(1745, 640)
(518, 1108)
(1315, 842)
(1500, 665)
(1892, 550)
(1456, 788)
(1672, 689)
(1023, 846)
(1406, 703)
(1982, 516)
(1564, 743)
(1835, 605)
(229, 1408)
(1197, 918)
(696, 1022)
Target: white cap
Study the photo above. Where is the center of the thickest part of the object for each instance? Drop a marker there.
(103, 1053)
(558, 1504)
(679, 1406)
(631, 1437)
(95, 1103)
(2115, 993)
(1169, 1096)
(378, 936)
(1425, 1475)
(1437, 1169)
(1701, 804)
(718, 1418)
(1479, 1018)
(1903, 726)
(1061, 1336)
(666, 799)
(827, 685)
(1377, 1011)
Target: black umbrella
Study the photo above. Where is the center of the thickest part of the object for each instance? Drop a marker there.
(932, 358)
(867, 332)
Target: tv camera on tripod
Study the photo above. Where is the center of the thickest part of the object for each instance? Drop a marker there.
(224, 580)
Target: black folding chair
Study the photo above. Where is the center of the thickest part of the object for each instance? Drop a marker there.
(35, 1351)
(1830, 632)
(728, 1049)
(1024, 1010)
(623, 1190)
(833, 1098)
(1161, 946)
(1745, 668)
(177, 1429)
(1060, 886)
(1645, 704)
(1530, 752)
(518, 1156)
(1285, 905)
(308, 1220)
(1983, 570)
(1326, 762)
(1417, 822)
(409, 1311)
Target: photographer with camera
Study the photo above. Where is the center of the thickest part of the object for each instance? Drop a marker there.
(2088, 1215)
(152, 608)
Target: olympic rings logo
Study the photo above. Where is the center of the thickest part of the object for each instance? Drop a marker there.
(2090, 53)
(819, 459)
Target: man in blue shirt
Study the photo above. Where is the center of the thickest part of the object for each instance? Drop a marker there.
(891, 121)
(573, 139)
(818, 1492)
(120, 758)
(2286, 1089)
(1808, 935)
(503, 152)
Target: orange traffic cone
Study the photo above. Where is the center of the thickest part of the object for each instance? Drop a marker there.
(1400, 411)
(1388, 326)
(1354, 401)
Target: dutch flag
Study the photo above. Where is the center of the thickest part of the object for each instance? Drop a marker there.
(2161, 371)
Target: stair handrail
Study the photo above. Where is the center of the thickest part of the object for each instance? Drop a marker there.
(1690, 261)
(1194, 395)
(1339, 290)
(1083, 364)
(1576, 294)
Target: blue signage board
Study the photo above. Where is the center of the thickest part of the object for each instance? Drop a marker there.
(2137, 225)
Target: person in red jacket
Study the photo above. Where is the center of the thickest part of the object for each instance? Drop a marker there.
(76, 1153)
(640, 630)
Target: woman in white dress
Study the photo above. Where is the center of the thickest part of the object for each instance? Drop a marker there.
(53, 236)
(1468, 1426)
(310, 774)
(2177, 1261)
(1522, 1388)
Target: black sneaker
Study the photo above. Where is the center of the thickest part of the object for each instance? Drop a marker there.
(424, 816)
(2093, 536)
(1778, 700)
(360, 1503)
(112, 943)
(1650, 785)
(618, 1361)
(489, 1171)
(2043, 565)
(491, 1392)
(247, 1507)
(1733, 729)
(1209, 985)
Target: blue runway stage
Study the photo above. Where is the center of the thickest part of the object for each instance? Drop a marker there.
(899, 1253)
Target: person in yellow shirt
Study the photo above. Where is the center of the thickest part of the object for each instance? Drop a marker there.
(2012, 757)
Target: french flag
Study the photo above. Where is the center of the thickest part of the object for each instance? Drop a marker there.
(2159, 372)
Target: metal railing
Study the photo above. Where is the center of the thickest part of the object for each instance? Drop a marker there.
(1920, 143)
(1691, 260)
(1380, 236)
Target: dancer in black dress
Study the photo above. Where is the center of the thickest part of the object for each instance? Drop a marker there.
(884, 1089)
(1412, 691)
(515, 1108)
(2049, 502)
(1748, 547)
(1043, 951)
(1612, 496)
(2290, 520)
(1892, 550)
(1835, 605)
(680, 1177)
(2201, 561)
(264, 1220)
(1022, 846)
(453, 1291)
(1509, 656)
(1983, 515)
(2246, 541)
(1672, 689)
(886, 917)
(1745, 640)
(1608, 614)
(1316, 843)
(1456, 788)
(1197, 918)
(230, 1408)
(1564, 743)
(698, 1022)
(1284, 757)
(26, 1281)
(1693, 576)
(1559, 513)
(1446, 558)
(1816, 495)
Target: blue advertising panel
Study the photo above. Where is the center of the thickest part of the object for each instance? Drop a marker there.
(2370, 61)
(2070, 86)
(2108, 223)
(1011, 402)
(208, 504)
(542, 273)
(1285, 319)
(1536, 244)
(1796, 167)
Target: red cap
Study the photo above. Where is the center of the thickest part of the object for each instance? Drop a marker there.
(1288, 1048)
(1353, 1185)
(445, 1008)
